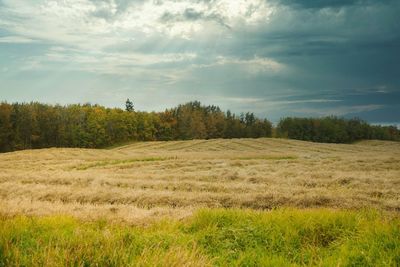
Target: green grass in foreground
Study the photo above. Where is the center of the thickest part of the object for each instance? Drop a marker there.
(286, 237)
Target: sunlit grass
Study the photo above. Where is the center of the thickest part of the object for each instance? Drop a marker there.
(152, 180)
(267, 158)
(105, 163)
(219, 237)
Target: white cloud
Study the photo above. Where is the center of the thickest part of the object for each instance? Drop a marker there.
(16, 40)
(157, 68)
(248, 11)
(97, 24)
(108, 62)
(82, 31)
(253, 66)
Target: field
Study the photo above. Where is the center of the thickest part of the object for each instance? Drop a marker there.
(203, 202)
(138, 182)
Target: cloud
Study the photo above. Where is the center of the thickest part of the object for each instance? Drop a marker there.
(253, 66)
(150, 67)
(338, 111)
(246, 54)
(16, 40)
(318, 4)
(96, 24)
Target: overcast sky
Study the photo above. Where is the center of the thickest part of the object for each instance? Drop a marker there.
(276, 58)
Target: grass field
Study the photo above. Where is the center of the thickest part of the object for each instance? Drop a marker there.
(212, 237)
(202, 202)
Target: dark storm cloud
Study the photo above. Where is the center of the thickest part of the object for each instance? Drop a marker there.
(320, 3)
(349, 52)
(356, 43)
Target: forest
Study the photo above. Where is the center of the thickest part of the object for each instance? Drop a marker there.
(36, 125)
(334, 130)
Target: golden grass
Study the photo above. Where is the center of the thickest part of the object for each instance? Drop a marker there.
(144, 181)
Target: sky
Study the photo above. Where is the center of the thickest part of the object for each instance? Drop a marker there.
(275, 58)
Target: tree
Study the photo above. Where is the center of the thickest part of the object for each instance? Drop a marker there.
(35, 125)
(129, 106)
(6, 130)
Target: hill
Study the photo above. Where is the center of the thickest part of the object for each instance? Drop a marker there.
(148, 180)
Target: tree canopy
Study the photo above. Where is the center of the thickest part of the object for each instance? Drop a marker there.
(36, 125)
(334, 130)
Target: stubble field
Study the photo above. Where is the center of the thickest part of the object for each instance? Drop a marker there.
(202, 203)
(143, 181)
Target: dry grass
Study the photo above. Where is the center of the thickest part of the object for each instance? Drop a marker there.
(143, 181)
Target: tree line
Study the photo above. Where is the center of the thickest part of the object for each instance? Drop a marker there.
(37, 125)
(334, 130)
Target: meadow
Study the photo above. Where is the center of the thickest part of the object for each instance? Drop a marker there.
(252, 202)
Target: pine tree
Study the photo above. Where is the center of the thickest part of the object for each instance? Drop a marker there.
(129, 106)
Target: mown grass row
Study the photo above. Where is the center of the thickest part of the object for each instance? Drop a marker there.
(286, 237)
(268, 158)
(105, 163)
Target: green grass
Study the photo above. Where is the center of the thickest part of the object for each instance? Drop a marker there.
(286, 237)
